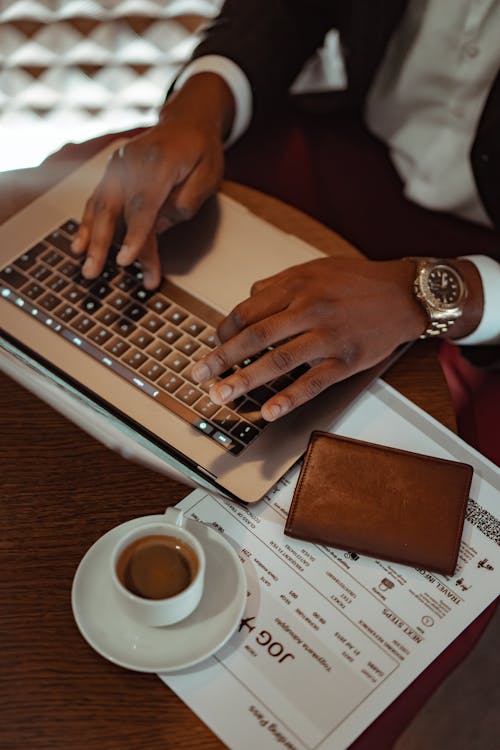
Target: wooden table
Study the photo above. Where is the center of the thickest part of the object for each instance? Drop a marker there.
(60, 491)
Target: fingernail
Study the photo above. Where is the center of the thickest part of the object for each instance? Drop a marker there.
(88, 267)
(201, 372)
(148, 279)
(221, 393)
(162, 225)
(122, 257)
(272, 412)
(77, 245)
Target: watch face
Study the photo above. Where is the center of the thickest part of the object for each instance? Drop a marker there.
(445, 285)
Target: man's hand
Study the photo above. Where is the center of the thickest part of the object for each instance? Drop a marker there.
(339, 315)
(158, 179)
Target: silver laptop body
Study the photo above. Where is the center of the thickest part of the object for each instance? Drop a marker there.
(210, 263)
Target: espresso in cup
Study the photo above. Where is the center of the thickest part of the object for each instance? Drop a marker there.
(157, 566)
(158, 570)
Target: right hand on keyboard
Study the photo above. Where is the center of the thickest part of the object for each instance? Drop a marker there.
(159, 178)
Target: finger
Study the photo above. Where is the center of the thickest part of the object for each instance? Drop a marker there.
(276, 280)
(186, 199)
(141, 209)
(105, 212)
(276, 362)
(82, 236)
(158, 203)
(150, 263)
(251, 341)
(264, 305)
(309, 385)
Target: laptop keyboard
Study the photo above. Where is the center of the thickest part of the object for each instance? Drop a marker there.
(149, 338)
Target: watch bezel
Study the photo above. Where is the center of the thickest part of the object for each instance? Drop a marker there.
(430, 297)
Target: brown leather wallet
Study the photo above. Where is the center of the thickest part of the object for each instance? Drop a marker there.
(383, 502)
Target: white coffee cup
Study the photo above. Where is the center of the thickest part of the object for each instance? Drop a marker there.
(180, 566)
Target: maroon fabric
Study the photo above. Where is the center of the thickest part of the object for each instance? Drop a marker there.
(476, 399)
(332, 169)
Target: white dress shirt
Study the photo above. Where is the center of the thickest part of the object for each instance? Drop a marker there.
(425, 104)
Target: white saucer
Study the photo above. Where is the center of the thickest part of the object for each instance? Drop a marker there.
(117, 637)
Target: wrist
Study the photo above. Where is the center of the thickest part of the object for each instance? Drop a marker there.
(450, 294)
(473, 306)
(205, 99)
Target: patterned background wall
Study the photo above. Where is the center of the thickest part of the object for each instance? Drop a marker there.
(73, 69)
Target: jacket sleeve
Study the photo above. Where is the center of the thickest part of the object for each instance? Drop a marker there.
(270, 40)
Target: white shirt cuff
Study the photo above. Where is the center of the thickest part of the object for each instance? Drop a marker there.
(488, 330)
(237, 82)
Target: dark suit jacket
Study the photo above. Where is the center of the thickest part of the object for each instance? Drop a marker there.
(270, 40)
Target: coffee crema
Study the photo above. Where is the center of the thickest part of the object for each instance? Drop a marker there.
(157, 566)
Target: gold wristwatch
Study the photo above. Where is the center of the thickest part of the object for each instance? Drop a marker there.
(442, 291)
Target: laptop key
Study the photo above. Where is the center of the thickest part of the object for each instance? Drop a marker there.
(245, 432)
(109, 273)
(119, 301)
(134, 311)
(117, 346)
(57, 283)
(74, 293)
(152, 370)
(158, 350)
(28, 259)
(141, 338)
(225, 419)
(176, 315)
(226, 441)
(135, 270)
(33, 290)
(66, 312)
(193, 326)
(250, 412)
(69, 269)
(208, 338)
(187, 345)
(90, 304)
(169, 334)
(107, 316)
(204, 426)
(40, 273)
(170, 382)
(134, 358)
(188, 394)
(100, 289)
(152, 322)
(100, 335)
(280, 383)
(124, 326)
(206, 407)
(70, 226)
(176, 362)
(158, 304)
(80, 280)
(261, 394)
(13, 277)
(49, 301)
(52, 257)
(83, 324)
(60, 241)
(141, 294)
(125, 283)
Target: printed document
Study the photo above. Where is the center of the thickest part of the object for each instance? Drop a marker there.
(330, 638)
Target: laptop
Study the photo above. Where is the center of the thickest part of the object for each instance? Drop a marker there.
(111, 349)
